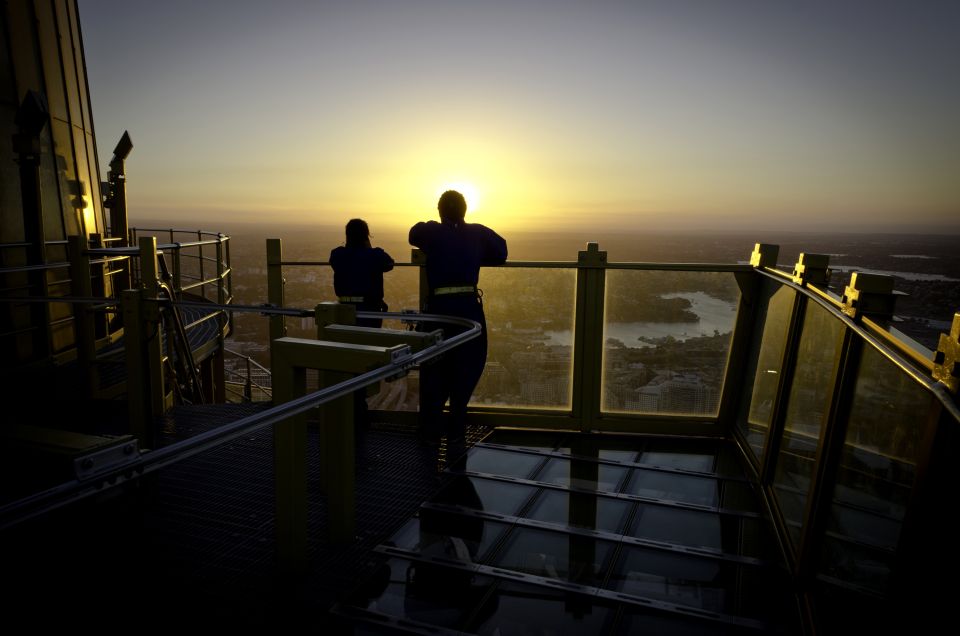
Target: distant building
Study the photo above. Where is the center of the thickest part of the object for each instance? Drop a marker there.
(548, 391)
(671, 392)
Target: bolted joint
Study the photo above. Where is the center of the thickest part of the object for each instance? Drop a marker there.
(812, 269)
(869, 295)
(764, 255)
(946, 360)
(592, 256)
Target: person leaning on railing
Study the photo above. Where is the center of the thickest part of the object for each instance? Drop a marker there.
(455, 251)
(358, 272)
(358, 280)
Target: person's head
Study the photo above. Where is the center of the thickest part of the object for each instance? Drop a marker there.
(452, 206)
(358, 233)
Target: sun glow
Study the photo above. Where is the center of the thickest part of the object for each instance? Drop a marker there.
(468, 190)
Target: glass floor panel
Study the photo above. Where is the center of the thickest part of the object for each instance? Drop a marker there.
(502, 462)
(676, 525)
(423, 592)
(556, 555)
(449, 536)
(686, 461)
(510, 576)
(673, 487)
(588, 511)
(582, 474)
(703, 583)
(512, 607)
(485, 494)
(525, 439)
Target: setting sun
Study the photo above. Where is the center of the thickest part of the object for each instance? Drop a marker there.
(468, 190)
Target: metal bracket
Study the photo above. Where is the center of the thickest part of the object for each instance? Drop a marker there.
(812, 268)
(869, 294)
(100, 461)
(946, 360)
(764, 255)
(592, 257)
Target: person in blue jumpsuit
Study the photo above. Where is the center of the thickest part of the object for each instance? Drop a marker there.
(358, 272)
(358, 280)
(455, 251)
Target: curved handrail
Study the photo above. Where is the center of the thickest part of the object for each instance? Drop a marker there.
(898, 357)
(153, 460)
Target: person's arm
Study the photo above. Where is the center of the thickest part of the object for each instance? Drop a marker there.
(386, 262)
(494, 249)
(420, 234)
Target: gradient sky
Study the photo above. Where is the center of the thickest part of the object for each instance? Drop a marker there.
(673, 114)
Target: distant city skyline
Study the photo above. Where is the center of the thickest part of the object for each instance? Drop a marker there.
(824, 116)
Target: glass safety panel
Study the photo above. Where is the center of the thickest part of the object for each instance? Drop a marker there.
(762, 376)
(529, 315)
(888, 419)
(807, 409)
(666, 340)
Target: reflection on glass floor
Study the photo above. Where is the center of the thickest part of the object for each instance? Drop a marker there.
(579, 534)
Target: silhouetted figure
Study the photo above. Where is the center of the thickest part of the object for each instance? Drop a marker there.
(455, 251)
(358, 272)
(358, 280)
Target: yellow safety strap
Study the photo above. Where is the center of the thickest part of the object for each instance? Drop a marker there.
(463, 289)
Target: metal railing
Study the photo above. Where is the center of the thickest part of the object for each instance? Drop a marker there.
(583, 385)
(247, 389)
(206, 275)
(147, 461)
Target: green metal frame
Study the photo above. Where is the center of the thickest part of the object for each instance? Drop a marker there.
(337, 362)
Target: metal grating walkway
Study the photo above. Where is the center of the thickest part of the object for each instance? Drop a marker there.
(195, 541)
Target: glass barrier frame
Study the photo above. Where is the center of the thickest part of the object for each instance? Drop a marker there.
(931, 483)
(585, 412)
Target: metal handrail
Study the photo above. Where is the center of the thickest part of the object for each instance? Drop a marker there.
(34, 268)
(153, 460)
(676, 267)
(168, 230)
(247, 358)
(883, 346)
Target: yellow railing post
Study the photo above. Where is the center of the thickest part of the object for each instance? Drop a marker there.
(290, 468)
(141, 319)
(337, 362)
(417, 257)
(588, 336)
(275, 283)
